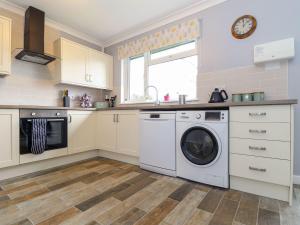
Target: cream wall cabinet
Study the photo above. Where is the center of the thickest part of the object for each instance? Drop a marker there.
(5, 45)
(83, 66)
(81, 131)
(9, 137)
(261, 150)
(118, 131)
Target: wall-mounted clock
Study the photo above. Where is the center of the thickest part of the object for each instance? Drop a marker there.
(243, 27)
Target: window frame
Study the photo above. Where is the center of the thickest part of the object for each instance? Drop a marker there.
(125, 67)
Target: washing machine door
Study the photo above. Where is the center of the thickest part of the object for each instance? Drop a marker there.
(200, 146)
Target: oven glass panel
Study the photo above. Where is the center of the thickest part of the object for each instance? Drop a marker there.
(56, 134)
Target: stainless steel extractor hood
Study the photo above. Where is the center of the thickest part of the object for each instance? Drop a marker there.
(34, 38)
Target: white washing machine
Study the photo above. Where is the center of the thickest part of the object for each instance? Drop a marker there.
(202, 146)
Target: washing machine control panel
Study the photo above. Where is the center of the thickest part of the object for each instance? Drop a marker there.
(203, 116)
(198, 116)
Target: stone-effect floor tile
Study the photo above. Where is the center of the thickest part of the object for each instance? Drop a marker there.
(248, 209)
(181, 192)
(130, 218)
(59, 218)
(266, 217)
(269, 204)
(159, 213)
(211, 200)
(186, 208)
(200, 217)
(225, 213)
(122, 208)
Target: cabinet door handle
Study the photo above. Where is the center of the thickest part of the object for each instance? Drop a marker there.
(257, 148)
(257, 131)
(90, 78)
(117, 118)
(257, 169)
(258, 114)
(70, 119)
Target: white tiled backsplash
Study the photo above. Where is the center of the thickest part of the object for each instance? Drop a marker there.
(274, 82)
(32, 84)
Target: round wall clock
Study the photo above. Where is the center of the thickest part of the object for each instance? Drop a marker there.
(243, 27)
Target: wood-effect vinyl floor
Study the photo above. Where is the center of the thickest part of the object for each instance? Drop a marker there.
(102, 192)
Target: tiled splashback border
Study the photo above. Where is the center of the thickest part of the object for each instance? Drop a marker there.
(272, 80)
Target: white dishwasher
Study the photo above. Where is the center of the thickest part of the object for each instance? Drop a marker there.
(157, 142)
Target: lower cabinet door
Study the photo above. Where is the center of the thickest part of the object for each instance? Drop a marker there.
(128, 133)
(9, 137)
(81, 131)
(106, 131)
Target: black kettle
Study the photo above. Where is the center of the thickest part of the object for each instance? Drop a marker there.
(218, 96)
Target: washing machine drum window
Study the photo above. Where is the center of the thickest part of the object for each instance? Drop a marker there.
(199, 146)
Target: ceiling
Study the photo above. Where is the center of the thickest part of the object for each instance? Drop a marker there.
(106, 19)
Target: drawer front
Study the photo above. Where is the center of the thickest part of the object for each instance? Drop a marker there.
(262, 169)
(262, 148)
(277, 114)
(261, 131)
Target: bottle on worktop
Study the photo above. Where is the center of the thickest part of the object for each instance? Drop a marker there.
(66, 98)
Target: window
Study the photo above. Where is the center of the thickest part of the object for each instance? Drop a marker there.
(171, 70)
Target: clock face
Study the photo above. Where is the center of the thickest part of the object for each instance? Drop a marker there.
(244, 27)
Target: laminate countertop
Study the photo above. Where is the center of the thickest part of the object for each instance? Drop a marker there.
(164, 106)
(45, 107)
(190, 106)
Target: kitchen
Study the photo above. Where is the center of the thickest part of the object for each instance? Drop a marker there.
(155, 157)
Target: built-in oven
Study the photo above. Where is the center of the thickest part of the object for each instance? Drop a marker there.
(56, 129)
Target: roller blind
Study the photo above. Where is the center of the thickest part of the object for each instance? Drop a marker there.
(181, 32)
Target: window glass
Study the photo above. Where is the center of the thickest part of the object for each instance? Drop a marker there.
(174, 78)
(173, 50)
(136, 78)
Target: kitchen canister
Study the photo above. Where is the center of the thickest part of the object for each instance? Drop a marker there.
(258, 96)
(247, 97)
(101, 105)
(236, 97)
(182, 99)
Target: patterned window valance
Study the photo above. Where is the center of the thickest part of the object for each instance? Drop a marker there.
(185, 31)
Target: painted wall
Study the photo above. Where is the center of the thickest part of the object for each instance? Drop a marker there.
(219, 51)
(32, 84)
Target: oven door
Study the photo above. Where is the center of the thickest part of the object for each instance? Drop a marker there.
(57, 134)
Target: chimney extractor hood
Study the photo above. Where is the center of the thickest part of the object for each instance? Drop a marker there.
(34, 38)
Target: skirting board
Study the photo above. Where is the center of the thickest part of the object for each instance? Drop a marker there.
(19, 170)
(296, 179)
(120, 157)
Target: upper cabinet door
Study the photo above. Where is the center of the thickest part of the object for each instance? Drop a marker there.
(5, 46)
(83, 66)
(96, 69)
(73, 63)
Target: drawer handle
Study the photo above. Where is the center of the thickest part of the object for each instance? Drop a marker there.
(257, 148)
(257, 169)
(257, 131)
(258, 114)
(184, 117)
